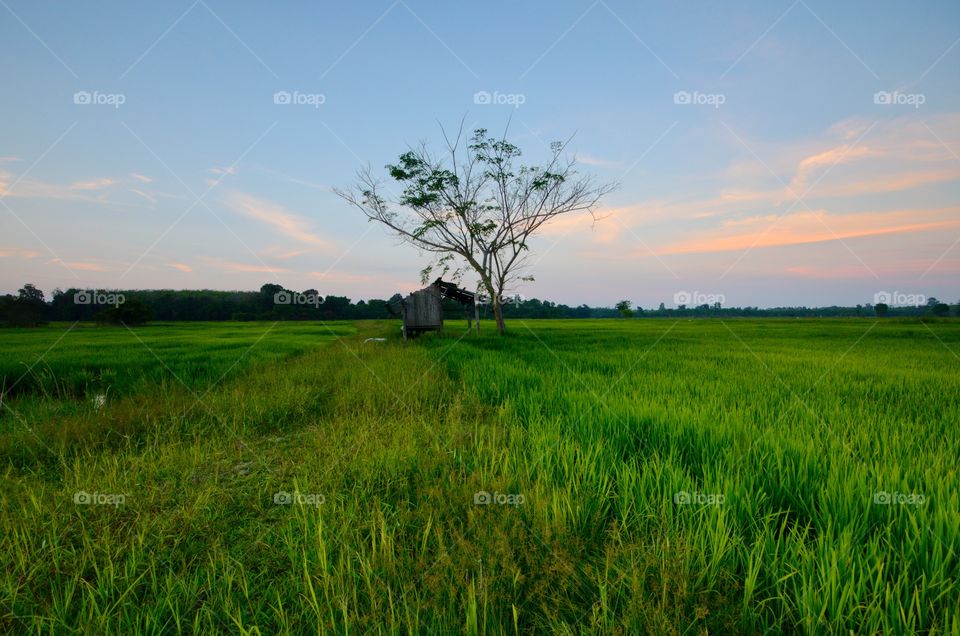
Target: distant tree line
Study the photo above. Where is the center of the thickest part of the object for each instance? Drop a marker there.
(932, 307)
(30, 307)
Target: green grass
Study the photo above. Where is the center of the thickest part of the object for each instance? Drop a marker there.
(797, 424)
(82, 359)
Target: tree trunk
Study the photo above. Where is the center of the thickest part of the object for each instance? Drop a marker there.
(498, 315)
(495, 303)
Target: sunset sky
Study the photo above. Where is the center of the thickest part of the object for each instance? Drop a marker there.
(774, 153)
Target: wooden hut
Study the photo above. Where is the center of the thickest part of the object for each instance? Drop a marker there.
(423, 310)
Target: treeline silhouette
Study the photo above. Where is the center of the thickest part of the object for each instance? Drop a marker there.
(273, 302)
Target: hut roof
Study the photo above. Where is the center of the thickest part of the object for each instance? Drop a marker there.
(450, 290)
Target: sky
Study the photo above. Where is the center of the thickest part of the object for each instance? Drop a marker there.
(768, 153)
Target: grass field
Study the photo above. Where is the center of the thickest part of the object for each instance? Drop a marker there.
(641, 476)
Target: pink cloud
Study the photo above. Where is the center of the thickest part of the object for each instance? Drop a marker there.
(81, 265)
(233, 267)
(276, 217)
(811, 227)
(16, 252)
(97, 184)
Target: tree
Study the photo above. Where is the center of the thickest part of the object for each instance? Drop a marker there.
(29, 293)
(624, 308)
(881, 309)
(476, 208)
(132, 312)
(27, 309)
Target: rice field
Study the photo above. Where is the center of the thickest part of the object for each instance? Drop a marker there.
(575, 476)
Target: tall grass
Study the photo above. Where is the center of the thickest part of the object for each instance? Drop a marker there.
(597, 425)
(801, 426)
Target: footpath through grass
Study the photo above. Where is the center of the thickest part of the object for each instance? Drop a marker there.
(637, 476)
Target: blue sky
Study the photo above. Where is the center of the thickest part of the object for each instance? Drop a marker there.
(756, 160)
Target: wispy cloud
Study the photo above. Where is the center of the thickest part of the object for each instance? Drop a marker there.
(81, 265)
(96, 184)
(18, 252)
(99, 190)
(233, 267)
(282, 253)
(278, 218)
(590, 160)
(894, 182)
(183, 268)
(826, 159)
(221, 174)
(144, 195)
(141, 177)
(811, 227)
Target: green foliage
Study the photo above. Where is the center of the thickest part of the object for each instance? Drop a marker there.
(132, 313)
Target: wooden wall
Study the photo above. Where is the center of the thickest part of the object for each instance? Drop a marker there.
(422, 310)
